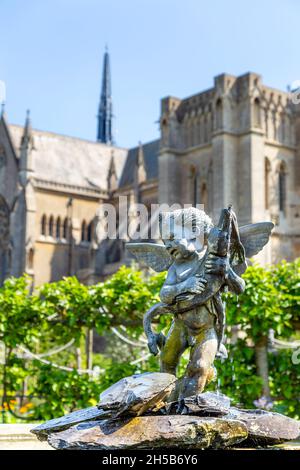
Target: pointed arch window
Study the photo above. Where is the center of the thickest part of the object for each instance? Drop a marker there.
(83, 231)
(205, 129)
(266, 123)
(44, 225)
(194, 130)
(267, 183)
(282, 128)
(90, 231)
(256, 113)
(58, 228)
(219, 114)
(282, 187)
(30, 259)
(65, 229)
(51, 226)
(274, 122)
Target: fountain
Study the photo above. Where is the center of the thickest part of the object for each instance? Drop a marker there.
(155, 410)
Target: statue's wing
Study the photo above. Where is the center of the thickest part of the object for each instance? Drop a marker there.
(255, 236)
(151, 255)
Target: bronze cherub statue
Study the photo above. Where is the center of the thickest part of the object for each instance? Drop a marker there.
(203, 261)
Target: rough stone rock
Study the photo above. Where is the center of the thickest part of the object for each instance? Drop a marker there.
(209, 421)
(207, 404)
(265, 427)
(68, 420)
(138, 393)
(147, 432)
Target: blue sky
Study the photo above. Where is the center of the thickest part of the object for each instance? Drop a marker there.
(51, 56)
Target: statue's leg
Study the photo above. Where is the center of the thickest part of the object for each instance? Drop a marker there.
(175, 345)
(202, 357)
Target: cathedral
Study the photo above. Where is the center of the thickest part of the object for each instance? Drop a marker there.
(235, 143)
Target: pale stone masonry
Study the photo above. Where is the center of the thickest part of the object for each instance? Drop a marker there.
(238, 142)
(242, 139)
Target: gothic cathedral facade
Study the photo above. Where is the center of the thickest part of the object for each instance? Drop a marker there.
(236, 143)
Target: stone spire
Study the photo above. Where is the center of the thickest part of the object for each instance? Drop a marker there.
(26, 148)
(105, 115)
(112, 180)
(27, 133)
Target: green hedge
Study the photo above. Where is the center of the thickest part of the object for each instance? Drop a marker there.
(59, 312)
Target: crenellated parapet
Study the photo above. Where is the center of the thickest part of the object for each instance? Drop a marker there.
(234, 105)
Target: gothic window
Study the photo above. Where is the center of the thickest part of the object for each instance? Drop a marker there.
(164, 131)
(44, 225)
(256, 113)
(266, 123)
(30, 258)
(205, 130)
(219, 114)
(58, 228)
(282, 128)
(267, 183)
(65, 229)
(90, 231)
(51, 226)
(290, 137)
(201, 130)
(209, 125)
(193, 133)
(274, 122)
(83, 231)
(282, 187)
(198, 130)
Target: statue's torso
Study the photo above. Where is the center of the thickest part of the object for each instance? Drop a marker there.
(198, 319)
(202, 317)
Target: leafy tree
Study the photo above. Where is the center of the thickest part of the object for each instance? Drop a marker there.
(34, 324)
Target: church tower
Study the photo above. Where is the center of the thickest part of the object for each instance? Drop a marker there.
(105, 114)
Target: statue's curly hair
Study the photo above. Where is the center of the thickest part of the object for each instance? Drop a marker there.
(190, 217)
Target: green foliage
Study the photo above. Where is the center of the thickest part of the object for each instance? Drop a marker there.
(65, 391)
(20, 313)
(284, 382)
(271, 300)
(58, 312)
(237, 375)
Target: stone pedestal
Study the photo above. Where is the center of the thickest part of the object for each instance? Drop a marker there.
(136, 413)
